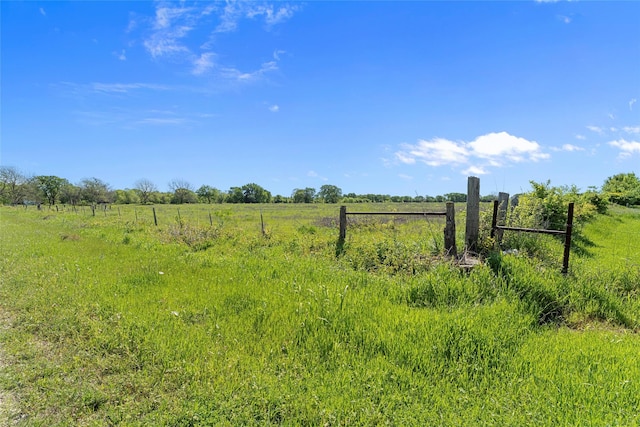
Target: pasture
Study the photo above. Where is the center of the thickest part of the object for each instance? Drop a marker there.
(219, 317)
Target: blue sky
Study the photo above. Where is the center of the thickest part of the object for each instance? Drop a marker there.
(398, 98)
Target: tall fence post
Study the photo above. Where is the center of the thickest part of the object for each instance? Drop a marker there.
(343, 224)
(567, 240)
(450, 231)
(343, 231)
(503, 204)
(494, 219)
(155, 218)
(473, 214)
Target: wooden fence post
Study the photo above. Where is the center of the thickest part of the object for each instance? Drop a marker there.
(473, 214)
(450, 231)
(567, 240)
(343, 224)
(155, 218)
(494, 219)
(503, 203)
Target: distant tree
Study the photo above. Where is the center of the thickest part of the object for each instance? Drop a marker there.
(13, 185)
(456, 197)
(127, 196)
(253, 193)
(94, 190)
(182, 192)
(208, 194)
(49, 187)
(330, 193)
(623, 189)
(70, 194)
(145, 189)
(235, 195)
(303, 195)
(280, 199)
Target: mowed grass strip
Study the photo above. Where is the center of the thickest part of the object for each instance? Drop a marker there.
(115, 321)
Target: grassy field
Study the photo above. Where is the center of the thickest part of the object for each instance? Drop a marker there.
(209, 320)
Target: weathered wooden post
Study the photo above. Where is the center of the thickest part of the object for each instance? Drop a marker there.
(343, 231)
(473, 214)
(567, 240)
(155, 218)
(343, 224)
(210, 220)
(494, 219)
(450, 231)
(503, 204)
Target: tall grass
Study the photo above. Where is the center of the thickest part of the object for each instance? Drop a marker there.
(199, 322)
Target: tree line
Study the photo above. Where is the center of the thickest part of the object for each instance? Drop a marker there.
(17, 188)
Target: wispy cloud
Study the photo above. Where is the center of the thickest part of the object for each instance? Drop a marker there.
(627, 148)
(314, 174)
(581, 137)
(42, 12)
(596, 129)
(174, 30)
(490, 150)
(127, 118)
(568, 147)
(631, 129)
(274, 108)
(204, 63)
(474, 170)
(405, 177)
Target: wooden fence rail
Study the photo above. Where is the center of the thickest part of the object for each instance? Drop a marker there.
(449, 230)
(567, 232)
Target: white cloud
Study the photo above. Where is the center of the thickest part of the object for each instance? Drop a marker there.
(612, 116)
(571, 147)
(235, 74)
(42, 12)
(273, 16)
(204, 63)
(631, 102)
(493, 149)
(123, 87)
(274, 108)
(497, 146)
(122, 56)
(627, 148)
(312, 174)
(596, 129)
(581, 137)
(436, 152)
(174, 30)
(565, 19)
(405, 177)
(234, 11)
(474, 170)
(631, 129)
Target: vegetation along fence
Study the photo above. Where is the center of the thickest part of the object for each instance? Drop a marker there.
(449, 230)
(499, 210)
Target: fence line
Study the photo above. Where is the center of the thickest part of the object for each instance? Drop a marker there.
(449, 230)
(567, 232)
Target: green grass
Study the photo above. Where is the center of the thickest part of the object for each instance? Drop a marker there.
(199, 322)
